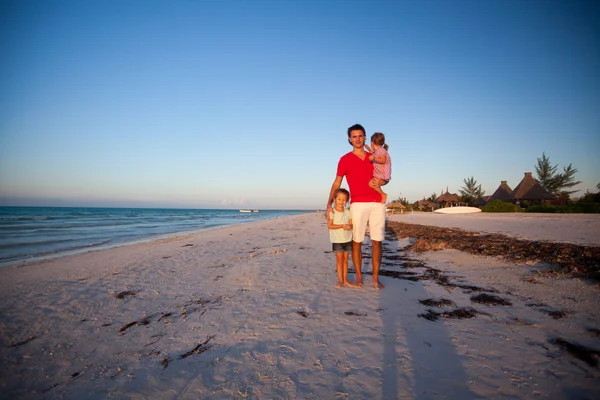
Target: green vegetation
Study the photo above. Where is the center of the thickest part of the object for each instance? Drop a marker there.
(589, 203)
(501, 206)
(557, 184)
(471, 191)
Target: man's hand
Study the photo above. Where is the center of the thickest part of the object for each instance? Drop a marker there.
(368, 148)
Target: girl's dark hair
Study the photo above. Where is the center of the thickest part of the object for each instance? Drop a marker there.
(341, 190)
(379, 139)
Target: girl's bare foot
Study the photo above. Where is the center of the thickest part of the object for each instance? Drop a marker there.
(339, 285)
(351, 284)
(384, 198)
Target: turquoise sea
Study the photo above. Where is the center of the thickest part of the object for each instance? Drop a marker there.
(32, 233)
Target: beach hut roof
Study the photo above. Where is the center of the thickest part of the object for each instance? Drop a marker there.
(503, 193)
(530, 189)
(447, 197)
(395, 204)
(537, 192)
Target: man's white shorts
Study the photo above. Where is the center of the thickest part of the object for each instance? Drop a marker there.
(372, 213)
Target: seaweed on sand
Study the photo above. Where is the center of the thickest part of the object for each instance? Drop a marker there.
(459, 313)
(574, 260)
(586, 354)
(199, 349)
(490, 300)
(437, 303)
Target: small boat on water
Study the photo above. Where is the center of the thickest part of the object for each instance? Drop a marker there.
(245, 210)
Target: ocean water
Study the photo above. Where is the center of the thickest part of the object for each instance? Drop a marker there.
(33, 233)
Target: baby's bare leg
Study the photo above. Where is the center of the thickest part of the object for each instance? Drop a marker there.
(376, 184)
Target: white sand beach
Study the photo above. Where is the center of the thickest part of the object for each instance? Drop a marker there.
(251, 312)
(582, 229)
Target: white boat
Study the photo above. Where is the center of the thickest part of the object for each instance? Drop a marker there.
(255, 210)
(457, 210)
(245, 210)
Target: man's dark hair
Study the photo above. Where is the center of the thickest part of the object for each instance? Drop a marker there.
(356, 127)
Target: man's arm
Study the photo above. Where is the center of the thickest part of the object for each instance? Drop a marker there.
(335, 186)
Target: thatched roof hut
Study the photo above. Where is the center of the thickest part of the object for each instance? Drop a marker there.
(426, 204)
(395, 206)
(530, 189)
(448, 198)
(503, 193)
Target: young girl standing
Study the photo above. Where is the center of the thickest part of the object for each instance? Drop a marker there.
(382, 164)
(340, 234)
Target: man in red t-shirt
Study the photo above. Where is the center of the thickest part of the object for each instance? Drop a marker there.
(365, 203)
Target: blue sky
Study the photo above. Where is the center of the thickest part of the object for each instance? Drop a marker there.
(231, 104)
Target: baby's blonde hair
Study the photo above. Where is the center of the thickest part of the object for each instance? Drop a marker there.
(379, 139)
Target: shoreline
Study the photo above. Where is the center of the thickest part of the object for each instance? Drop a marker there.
(23, 262)
(251, 311)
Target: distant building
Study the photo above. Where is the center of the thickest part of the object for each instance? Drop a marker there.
(503, 193)
(447, 199)
(395, 207)
(530, 190)
(425, 205)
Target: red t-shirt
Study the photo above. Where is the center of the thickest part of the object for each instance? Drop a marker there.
(358, 173)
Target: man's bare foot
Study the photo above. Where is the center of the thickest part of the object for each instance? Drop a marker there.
(358, 283)
(339, 285)
(384, 198)
(378, 285)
